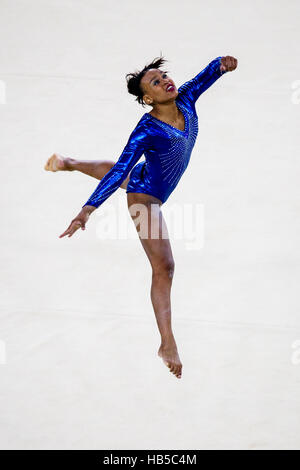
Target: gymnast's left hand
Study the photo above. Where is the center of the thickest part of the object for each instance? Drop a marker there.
(228, 63)
(79, 221)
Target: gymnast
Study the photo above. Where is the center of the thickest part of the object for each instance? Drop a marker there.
(166, 136)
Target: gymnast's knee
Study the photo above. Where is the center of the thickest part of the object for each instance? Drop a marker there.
(164, 267)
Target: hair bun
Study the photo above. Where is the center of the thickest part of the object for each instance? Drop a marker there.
(134, 79)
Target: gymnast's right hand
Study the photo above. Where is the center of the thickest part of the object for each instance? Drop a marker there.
(79, 221)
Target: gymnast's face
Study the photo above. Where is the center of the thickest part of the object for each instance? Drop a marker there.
(155, 85)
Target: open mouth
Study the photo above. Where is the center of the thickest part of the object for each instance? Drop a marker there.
(170, 88)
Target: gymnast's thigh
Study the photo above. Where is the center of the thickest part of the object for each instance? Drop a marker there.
(145, 211)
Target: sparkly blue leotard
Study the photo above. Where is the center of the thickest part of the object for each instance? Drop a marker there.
(167, 149)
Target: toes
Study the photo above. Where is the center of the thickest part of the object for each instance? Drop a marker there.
(176, 370)
(47, 165)
(52, 162)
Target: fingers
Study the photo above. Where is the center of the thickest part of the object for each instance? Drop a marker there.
(232, 63)
(66, 231)
(75, 225)
(228, 63)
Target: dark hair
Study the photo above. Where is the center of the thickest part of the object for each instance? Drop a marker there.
(134, 79)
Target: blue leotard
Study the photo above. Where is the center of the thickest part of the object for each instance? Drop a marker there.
(167, 149)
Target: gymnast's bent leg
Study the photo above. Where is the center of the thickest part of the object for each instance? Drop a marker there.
(95, 168)
(153, 235)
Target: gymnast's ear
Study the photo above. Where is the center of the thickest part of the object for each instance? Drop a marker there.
(147, 99)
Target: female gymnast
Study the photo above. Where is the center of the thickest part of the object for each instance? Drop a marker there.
(166, 135)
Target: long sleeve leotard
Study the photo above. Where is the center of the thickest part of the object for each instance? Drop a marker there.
(167, 149)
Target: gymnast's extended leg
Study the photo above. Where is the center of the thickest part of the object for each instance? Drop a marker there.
(95, 168)
(151, 228)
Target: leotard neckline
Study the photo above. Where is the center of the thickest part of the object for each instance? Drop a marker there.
(186, 122)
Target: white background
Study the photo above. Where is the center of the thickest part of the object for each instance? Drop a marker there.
(81, 368)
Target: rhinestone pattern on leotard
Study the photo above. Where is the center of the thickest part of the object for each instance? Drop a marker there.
(175, 161)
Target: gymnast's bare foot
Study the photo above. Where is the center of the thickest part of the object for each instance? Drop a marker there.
(169, 354)
(57, 163)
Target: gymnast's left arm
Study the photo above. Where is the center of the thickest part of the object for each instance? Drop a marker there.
(204, 79)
